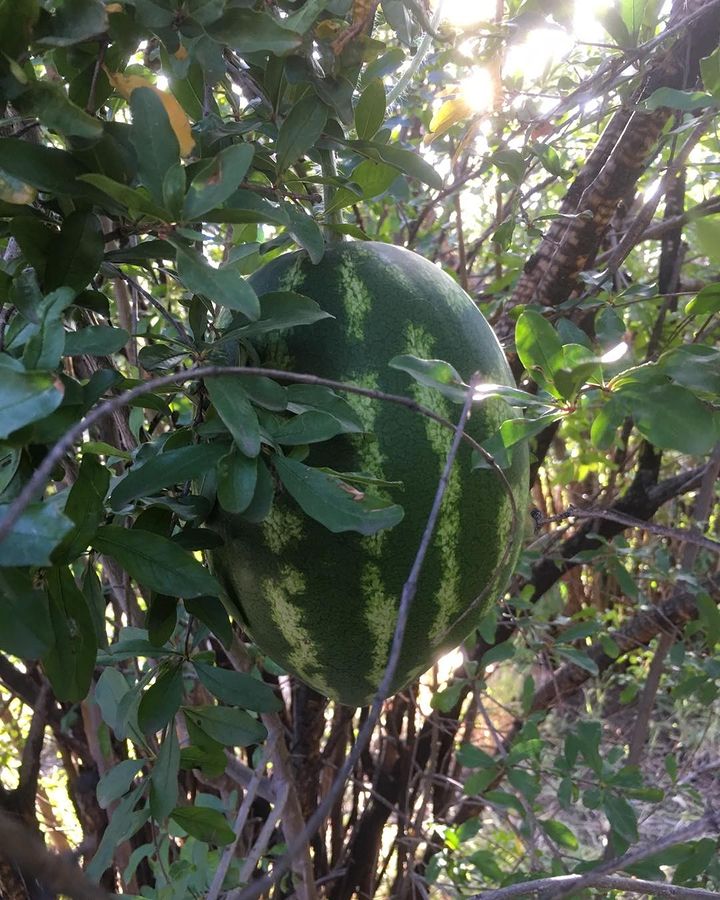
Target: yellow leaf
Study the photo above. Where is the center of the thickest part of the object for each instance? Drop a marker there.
(449, 114)
(126, 84)
(181, 52)
(113, 8)
(12, 190)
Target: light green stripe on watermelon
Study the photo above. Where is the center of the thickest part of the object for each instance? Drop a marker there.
(447, 533)
(289, 621)
(357, 300)
(379, 616)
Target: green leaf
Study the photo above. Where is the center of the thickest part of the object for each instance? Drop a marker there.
(25, 627)
(435, 373)
(165, 469)
(706, 302)
(75, 21)
(696, 858)
(244, 207)
(675, 99)
(110, 690)
(621, 816)
(26, 397)
(693, 366)
(217, 180)
(164, 776)
(499, 653)
(46, 168)
(304, 397)
(538, 344)
(234, 408)
(372, 177)
(670, 417)
(515, 430)
(95, 340)
(306, 428)
(173, 189)
(265, 392)
(77, 254)
(408, 162)
(122, 825)
(85, 507)
(225, 285)
(236, 480)
(161, 618)
(237, 688)
(578, 658)
(247, 31)
(161, 701)
(278, 311)
(70, 663)
(45, 346)
(230, 727)
(370, 110)
(613, 23)
(155, 561)
(302, 20)
(332, 502)
(145, 251)
(473, 757)
(153, 138)
(117, 780)
(709, 617)
(300, 130)
(560, 833)
(101, 448)
(306, 233)
(710, 70)
(50, 103)
(511, 163)
(633, 15)
(135, 200)
(211, 612)
(207, 825)
(34, 536)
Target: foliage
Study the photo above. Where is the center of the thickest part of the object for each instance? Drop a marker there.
(153, 154)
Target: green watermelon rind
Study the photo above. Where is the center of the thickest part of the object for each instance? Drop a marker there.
(324, 605)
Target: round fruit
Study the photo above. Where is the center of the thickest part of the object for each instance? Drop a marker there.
(324, 605)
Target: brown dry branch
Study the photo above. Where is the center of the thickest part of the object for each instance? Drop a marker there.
(27, 853)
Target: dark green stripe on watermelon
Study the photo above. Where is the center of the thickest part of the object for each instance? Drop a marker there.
(323, 605)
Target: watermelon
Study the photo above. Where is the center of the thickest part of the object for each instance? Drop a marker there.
(323, 605)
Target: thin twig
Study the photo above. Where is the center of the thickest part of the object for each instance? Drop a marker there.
(708, 822)
(260, 845)
(610, 882)
(240, 821)
(56, 453)
(171, 320)
(595, 512)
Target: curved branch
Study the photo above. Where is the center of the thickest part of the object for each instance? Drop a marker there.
(42, 473)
